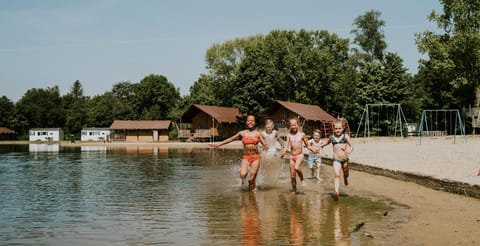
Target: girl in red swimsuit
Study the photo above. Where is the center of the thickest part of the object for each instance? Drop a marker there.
(251, 137)
(296, 140)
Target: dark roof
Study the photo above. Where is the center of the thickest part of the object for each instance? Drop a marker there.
(306, 111)
(140, 124)
(4, 130)
(221, 114)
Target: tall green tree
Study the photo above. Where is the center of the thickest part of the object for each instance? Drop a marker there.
(369, 35)
(123, 100)
(76, 110)
(7, 112)
(155, 98)
(103, 110)
(40, 107)
(381, 77)
(452, 70)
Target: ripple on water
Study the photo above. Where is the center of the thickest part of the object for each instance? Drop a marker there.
(183, 197)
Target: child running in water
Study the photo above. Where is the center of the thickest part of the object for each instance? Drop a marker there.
(315, 158)
(271, 137)
(340, 141)
(251, 137)
(296, 140)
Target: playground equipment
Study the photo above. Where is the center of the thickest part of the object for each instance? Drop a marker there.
(440, 122)
(385, 120)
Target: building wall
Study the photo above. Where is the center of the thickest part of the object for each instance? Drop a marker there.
(145, 135)
(203, 121)
(282, 116)
(94, 135)
(46, 135)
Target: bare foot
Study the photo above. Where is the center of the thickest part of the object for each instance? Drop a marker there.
(335, 196)
(303, 183)
(318, 178)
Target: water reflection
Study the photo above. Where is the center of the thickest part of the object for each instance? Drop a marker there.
(250, 220)
(43, 147)
(156, 195)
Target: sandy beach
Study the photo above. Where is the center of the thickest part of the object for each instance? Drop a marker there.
(410, 174)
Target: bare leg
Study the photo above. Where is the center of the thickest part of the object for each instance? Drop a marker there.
(244, 169)
(345, 173)
(318, 171)
(253, 174)
(293, 176)
(298, 170)
(336, 179)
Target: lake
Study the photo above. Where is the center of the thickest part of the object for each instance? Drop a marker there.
(155, 195)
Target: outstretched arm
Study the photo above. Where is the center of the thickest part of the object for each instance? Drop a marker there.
(305, 142)
(226, 141)
(327, 142)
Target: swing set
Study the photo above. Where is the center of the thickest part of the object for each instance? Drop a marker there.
(382, 120)
(440, 122)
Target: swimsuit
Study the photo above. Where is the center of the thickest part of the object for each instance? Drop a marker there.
(314, 159)
(251, 158)
(250, 140)
(296, 157)
(341, 161)
(298, 137)
(341, 140)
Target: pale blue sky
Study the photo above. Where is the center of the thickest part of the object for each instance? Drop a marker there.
(102, 42)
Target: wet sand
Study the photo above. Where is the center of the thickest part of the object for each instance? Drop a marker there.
(435, 217)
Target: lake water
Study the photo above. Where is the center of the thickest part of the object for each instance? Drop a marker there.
(153, 195)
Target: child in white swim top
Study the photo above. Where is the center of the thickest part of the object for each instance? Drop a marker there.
(271, 137)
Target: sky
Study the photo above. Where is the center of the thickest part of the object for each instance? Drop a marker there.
(102, 42)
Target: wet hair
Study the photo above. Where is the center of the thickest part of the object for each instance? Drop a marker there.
(269, 121)
(293, 118)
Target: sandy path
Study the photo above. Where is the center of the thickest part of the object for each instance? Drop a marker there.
(436, 217)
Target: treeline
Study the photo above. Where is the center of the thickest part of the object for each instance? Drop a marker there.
(312, 67)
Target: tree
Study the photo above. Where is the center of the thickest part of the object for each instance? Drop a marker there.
(369, 35)
(155, 98)
(40, 108)
(452, 71)
(76, 109)
(122, 100)
(103, 110)
(7, 112)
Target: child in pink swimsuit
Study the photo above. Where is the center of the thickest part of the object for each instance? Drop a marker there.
(296, 140)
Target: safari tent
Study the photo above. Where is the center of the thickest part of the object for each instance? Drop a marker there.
(209, 122)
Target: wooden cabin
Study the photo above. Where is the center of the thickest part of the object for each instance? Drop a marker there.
(46, 134)
(7, 134)
(95, 134)
(310, 117)
(209, 122)
(140, 130)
